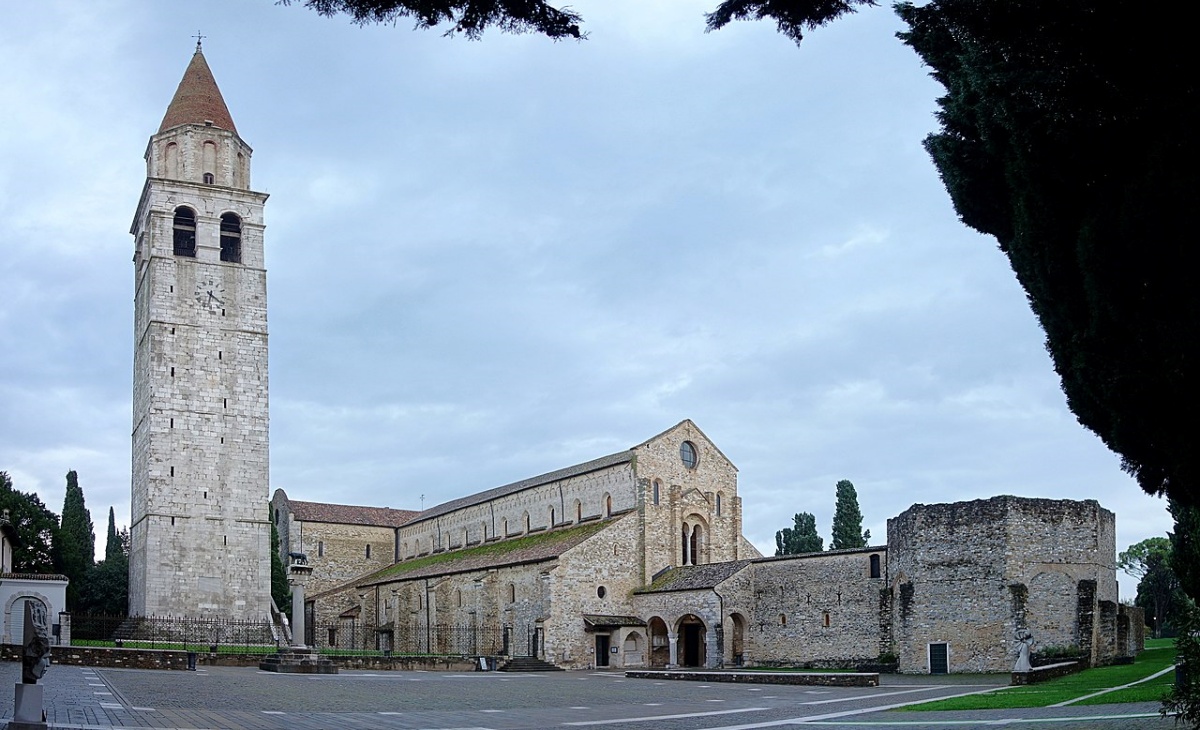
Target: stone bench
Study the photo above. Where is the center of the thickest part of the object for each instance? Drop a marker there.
(821, 679)
(1046, 673)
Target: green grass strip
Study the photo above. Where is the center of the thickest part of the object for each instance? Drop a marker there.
(1074, 686)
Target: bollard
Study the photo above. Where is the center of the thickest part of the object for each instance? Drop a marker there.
(191, 661)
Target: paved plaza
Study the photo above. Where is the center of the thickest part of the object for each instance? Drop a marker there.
(247, 699)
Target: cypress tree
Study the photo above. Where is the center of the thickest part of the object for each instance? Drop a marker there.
(847, 519)
(76, 540)
(802, 537)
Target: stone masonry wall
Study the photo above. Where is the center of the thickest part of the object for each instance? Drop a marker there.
(687, 496)
(815, 610)
(969, 574)
(338, 552)
(200, 431)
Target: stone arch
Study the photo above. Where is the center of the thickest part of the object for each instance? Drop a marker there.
(691, 648)
(171, 161)
(659, 651)
(231, 238)
(208, 156)
(737, 639)
(183, 229)
(694, 548)
(553, 517)
(14, 614)
(631, 650)
(525, 522)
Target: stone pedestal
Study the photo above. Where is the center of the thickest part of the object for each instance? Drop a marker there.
(27, 708)
(294, 660)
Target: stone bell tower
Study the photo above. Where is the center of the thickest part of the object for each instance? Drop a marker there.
(199, 526)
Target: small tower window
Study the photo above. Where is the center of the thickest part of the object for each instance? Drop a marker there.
(231, 238)
(185, 232)
(208, 178)
(320, 549)
(657, 487)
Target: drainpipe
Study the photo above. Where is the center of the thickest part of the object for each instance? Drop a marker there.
(720, 625)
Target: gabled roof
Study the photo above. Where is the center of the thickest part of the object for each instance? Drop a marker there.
(694, 577)
(349, 514)
(603, 462)
(691, 423)
(198, 100)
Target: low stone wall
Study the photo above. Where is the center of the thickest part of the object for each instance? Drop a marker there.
(830, 679)
(1046, 673)
(93, 656)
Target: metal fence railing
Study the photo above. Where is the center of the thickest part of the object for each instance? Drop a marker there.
(345, 636)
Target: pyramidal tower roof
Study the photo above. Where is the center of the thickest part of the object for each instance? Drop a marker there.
(198, 100)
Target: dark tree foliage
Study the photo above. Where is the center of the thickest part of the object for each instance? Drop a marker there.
(469, 17)
(847, 520)
(1158, 592)
(76, 541)
(107, 588)
(115, 545)
(792, 17)
(280, 592)
(802, 537)
(35, 525)
(1068, 134)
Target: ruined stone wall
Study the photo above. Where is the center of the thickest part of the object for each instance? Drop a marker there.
(969, 574)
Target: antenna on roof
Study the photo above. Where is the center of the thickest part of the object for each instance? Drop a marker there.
(198, 38)
(422, 502)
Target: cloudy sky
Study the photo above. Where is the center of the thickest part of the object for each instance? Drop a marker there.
(488, 260)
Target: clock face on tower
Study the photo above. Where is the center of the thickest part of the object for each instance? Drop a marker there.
(210, 292)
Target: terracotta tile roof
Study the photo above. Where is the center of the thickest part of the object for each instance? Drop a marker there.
(348, 514)
(513, 551)
(694, 577)
(603, 462)
(604, 621)
(197, 100)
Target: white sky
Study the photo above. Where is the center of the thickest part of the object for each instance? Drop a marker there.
(488, 260)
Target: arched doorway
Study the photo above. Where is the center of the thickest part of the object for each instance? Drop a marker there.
(660, 649)
(737, 644)
(691, 650)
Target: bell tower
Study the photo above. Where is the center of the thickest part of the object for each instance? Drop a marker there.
(199, 525)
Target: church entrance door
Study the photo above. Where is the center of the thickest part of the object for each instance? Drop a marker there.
(602, 642)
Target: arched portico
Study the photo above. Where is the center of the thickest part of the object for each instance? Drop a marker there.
(737, 640)
(659, 653)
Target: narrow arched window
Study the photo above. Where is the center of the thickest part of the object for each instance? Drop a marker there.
(718, 504)
(209, 179)
(184, 229)
(608, 506)
(657, 487)
(231, 238)
(875, 568)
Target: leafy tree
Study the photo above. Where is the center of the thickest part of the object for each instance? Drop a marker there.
(76, 540)
(281, 593)
(108, 583)
(801, 538)
(469, 17)
(35, 525)
(847, 519)
(1158, 588)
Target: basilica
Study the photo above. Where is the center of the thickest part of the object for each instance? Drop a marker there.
(631, 559)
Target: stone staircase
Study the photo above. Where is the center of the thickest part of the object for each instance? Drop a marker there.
(527, 664)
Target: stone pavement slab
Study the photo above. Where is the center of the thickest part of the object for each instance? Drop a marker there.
(226, 698)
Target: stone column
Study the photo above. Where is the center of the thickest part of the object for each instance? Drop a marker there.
(712, 647)
(672, 646)
(299, 574)
(687, 545)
